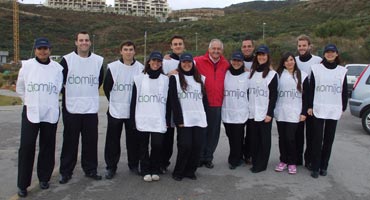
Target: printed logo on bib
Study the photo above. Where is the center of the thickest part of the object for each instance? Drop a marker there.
(196, 95)
(152, 99)
(258, 92)
(83, 80)
(48, 88)
(122, 87)
(235, 93)
(329, 88)
(290, 94)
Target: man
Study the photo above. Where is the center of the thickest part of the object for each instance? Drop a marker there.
(117, 86)
(83, 75)
(213, 66)
(39, 83)
(247, 49)
(304, 62)
(177, 46)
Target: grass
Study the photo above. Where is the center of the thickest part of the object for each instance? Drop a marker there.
(9, 101)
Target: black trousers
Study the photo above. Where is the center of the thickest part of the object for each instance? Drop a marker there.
(300, 141)
(26, 153)
(247, 141)
(235, 133)
(74, 124)
(189, 142)
(112, 151)
(167, 147)
(323, 138)
(150, 163)
(287, 142)
(260, 144)
(212, 135)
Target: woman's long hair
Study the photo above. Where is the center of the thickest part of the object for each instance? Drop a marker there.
(296, 70)
(255, 65)
(197, 78)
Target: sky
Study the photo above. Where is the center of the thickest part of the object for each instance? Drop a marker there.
(178, 4)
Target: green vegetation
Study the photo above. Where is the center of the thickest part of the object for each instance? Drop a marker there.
(7, 101)
(345, 23)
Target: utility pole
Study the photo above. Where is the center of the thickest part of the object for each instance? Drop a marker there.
(196, 42)
(263, 31)
(145, 36)
(16, 31)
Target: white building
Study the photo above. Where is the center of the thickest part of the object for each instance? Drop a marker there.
(79, 5)
(155, 8)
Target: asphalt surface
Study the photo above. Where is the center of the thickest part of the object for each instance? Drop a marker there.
(348, 172)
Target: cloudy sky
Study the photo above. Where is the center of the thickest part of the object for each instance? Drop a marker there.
(179, 4)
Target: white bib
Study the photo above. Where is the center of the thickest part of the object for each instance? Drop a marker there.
(306, 66)
(259, 94)
(82, 85)
(191, 102)
(289, 102)
(123, 81)
(39, 86)
(170, 65)
(151, 99)
(235, 104)
(327, 102)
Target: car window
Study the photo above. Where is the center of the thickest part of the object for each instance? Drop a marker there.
(368, 80)
(355, 70)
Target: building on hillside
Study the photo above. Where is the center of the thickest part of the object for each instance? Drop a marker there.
(200, 14)
(154, 8)
(3, 56)
(79, 5)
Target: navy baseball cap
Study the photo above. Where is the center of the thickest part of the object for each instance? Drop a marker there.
(186, 57)
(155, 55)
(263, 49)
(237, 56)
(330, 47)
(42, 42)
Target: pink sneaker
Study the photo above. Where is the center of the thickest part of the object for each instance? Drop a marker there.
(292, 169)
(280, 167)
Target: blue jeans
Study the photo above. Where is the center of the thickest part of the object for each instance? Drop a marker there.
(210, 139)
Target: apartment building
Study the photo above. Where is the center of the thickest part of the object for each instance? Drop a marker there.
(79, 5)
(155, 8)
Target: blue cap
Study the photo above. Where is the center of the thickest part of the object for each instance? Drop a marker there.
(155, 55)
(186, 57)
(237, 56)
(330, 47)
(263, 49)
(42, 42)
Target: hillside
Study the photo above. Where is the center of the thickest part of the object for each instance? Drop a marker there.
(347, 24)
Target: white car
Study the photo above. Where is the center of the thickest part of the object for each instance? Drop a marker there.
(353, 72)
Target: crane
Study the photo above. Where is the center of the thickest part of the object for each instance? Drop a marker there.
(16, 31)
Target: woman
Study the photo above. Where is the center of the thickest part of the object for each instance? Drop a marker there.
(328, 99)
(39, 84)
(234, 110)
(188, 100)
(262, 99)
(148, 113)
(291, 108)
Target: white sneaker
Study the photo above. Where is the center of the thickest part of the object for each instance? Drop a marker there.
(155, 177)
(148, 178)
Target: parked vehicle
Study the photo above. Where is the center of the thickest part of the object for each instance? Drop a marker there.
(359, 103)
(353, 72)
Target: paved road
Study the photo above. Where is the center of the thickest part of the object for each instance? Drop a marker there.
(348, 173)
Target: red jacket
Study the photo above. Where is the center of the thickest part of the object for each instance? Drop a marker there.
(215, 77)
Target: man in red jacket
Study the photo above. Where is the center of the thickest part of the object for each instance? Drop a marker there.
(213, 66)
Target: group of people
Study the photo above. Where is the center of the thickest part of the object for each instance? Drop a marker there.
(178, 91)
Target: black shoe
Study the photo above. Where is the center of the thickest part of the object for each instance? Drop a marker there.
(232, 166)
(209, 164)
(323, 172)
(315, 174)
(308, 166)
(22, 192)
(64, 179)
(94, 176)
(44, 185)
(135, 171)
(177, 178)
(200, 164)
(110, 174)
(255, 170)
